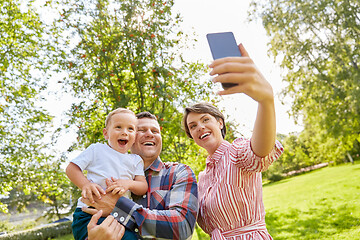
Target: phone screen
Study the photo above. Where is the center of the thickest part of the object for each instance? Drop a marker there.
(223, 45)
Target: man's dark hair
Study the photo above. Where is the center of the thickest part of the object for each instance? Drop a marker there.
(146, 115)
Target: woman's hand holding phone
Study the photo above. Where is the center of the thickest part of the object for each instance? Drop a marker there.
(223, 45)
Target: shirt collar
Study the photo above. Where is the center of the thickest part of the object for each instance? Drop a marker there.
(156, 165)
(219, 152)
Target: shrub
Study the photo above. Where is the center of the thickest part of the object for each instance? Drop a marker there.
(5, 226)
(274, 177)
(41, 233)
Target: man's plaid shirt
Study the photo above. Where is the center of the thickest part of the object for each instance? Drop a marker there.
(169, 209)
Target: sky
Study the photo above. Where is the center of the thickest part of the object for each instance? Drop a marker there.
(209, 16)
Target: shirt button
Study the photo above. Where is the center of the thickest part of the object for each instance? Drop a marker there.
(115, 214)
(144, 196)
(136, 230)
(122, 219)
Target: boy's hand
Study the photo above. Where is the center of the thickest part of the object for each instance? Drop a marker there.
(90, 189)
(118, 186)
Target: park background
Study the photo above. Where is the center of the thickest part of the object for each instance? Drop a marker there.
(65, 64)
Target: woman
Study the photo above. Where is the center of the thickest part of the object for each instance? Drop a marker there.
(230, 187)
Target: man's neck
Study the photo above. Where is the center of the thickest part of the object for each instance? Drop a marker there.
(148, 162)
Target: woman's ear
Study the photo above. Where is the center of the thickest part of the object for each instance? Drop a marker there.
(221, 123)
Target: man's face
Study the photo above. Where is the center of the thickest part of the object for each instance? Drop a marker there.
(148, 142)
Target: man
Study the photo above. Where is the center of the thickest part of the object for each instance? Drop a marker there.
(167, 211)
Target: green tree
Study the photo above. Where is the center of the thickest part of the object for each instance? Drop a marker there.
(296, 156)
(318, 46)
(55, 189)
(128, 54)
(24, 45)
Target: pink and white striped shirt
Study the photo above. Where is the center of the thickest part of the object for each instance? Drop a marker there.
(230, 192)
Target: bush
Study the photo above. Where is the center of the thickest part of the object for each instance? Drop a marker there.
(5, 226)
(41, 233)
(274, 177)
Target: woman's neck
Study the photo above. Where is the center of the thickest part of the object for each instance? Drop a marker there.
(211, 150)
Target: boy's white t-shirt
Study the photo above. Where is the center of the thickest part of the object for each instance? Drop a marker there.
(102, 162)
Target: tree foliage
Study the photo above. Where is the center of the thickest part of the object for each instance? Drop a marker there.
(127, 54)
(114, 54)
(23, 122)
(318, 45)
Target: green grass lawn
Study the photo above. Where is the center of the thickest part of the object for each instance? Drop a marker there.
(322, 204)
(67, 237)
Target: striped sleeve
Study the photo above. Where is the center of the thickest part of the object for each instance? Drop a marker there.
(243, 156)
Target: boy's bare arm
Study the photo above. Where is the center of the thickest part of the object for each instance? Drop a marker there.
(138, 186)
(78, 178)
(76, 175)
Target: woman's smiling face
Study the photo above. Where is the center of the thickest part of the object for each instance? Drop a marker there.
(205, 130)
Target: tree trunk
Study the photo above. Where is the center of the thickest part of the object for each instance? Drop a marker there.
(350, 158)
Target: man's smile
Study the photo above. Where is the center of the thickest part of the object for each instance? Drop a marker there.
(149, 143)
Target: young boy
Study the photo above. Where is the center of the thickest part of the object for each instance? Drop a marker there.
(104, 161)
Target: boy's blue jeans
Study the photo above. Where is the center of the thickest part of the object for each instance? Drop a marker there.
(81, 220)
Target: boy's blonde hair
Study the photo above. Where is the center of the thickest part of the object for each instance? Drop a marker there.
(118, 110)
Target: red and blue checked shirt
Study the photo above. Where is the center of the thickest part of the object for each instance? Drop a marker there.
(169, 208)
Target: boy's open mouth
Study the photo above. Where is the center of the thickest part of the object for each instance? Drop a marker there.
(122, 141)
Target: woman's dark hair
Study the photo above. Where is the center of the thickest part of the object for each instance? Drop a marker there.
(204, 108)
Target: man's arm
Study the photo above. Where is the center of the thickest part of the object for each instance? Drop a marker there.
(174, 218)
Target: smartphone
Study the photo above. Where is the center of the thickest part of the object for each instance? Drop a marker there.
(222, 45)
